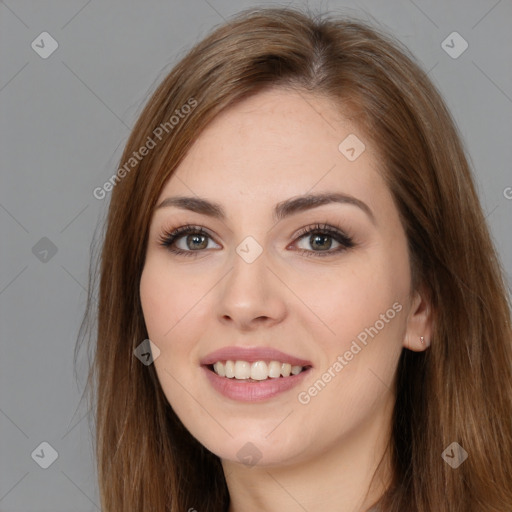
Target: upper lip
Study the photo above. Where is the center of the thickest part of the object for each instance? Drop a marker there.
(252, 354)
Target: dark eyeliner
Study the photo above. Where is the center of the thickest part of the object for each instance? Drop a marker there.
(169, 237)
(335, 232)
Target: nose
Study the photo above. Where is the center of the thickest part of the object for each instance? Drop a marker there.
(251, 295)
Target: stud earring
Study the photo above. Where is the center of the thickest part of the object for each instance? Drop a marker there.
(422, 339)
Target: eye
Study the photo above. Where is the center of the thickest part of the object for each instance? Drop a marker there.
(195, 240)
(321, 236)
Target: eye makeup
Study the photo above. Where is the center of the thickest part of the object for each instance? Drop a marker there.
(322, 231)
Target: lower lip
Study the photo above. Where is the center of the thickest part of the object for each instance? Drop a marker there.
(253, 391)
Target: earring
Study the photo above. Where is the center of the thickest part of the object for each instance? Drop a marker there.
(422, 339)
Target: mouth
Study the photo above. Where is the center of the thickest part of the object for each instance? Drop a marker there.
(253, 374)
(256, 371)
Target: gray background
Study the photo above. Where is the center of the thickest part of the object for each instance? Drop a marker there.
(64, 121)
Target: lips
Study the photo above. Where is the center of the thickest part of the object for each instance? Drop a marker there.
(251, 355)
(244, 391)
(249, 389)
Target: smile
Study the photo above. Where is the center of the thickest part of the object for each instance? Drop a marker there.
(255, 371)
(254, 390)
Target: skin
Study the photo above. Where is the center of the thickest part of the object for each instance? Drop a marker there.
(273, 146)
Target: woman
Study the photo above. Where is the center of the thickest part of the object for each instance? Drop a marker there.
(295, 228)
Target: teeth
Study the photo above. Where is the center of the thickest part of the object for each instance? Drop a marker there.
(286, 369)
(229, 368)
(220, 369)
(259, 370)
(296, 370)
(242, 370)
(274, 369)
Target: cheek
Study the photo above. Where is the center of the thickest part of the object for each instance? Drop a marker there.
(166, 298)
(363, 307)
(366, 314)
(351, 298)
(170, 329)
(156, 303)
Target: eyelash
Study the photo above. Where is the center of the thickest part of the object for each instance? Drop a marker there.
(168, 238)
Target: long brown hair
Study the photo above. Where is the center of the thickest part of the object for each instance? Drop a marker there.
(459, 390)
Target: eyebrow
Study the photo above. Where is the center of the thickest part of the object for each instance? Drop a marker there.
(281, 210)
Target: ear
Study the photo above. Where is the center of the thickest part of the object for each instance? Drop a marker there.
(419, 322)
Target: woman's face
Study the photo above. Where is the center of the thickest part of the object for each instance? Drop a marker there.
(336, 305)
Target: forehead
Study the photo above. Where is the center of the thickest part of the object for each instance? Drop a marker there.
(277, 144)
